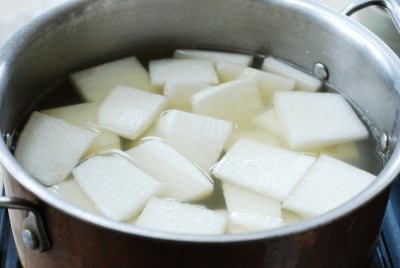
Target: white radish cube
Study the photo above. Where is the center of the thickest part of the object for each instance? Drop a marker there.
(289, 217)
(215, 56)
(228, 71)
(262, 168)
(182, 70)
(327, 185)
(49, 148)
(268, 83)
(236, 101)
(250, 210)
(95, 83)
(129, 111)
(70, 191)
(317, 119)
(269, 121)
(85, 115)
(182, 179)
(173, 216)
(253, 133)
(118, 188)
(179, 94)
(199, 138)
(304, 81)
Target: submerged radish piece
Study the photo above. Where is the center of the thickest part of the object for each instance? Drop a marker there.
(129, 112)
(182, 180)
(317, 119)
(214, 56)
(49, 148)
(179, 94)
(182, 70)
(262, 168)
(173, 216)
(327, 185)
(117, 187)
(96, 82)
(199, 138)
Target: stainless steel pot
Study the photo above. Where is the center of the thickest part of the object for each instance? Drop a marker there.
(51, 233)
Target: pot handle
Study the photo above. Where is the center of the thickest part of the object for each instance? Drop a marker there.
(33, 230)
(391, 6)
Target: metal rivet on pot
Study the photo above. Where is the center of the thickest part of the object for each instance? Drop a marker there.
(320, 71)
(30, 239)
(383, 143)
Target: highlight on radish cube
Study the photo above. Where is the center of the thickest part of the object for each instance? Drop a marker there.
(304, 81)
(179, 94)
(85, 115)
(228, 71)
(328, 184)
(262, 168)
(118, 188)
(70, 191)
(129, 112)
(317, 119)
(268, 83)
(96, 82)
(182, 70)
(251, 211)
(49, 148)
(181, 178)
(237, 101)
(215, 56)
(199, 138)
(173, 216)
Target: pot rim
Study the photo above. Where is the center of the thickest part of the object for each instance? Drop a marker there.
(310, 8)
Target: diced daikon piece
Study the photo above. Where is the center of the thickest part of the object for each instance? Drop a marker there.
(253, 133)
(289, 217)
(182, 70)
(250, 210)
(262, 168)
(215, 56)
(179, 93)
(199, 138)
(304, 81)
(236, 101)
(268, 83)
(70, 191)
(173, 216)
(85, 115)
(269, 121)
(317, 119)
(118, 188)
(348, 151)
(327, 185)
(228, 71)
(96, 82)
(49, 148)
(182, 179)
(129, 111)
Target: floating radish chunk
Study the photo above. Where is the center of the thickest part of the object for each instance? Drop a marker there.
(253, 133)
(269, 121)
(317, 119)
(182, 180)
(70, 191)
(304, 81)
(85, 115)
(236, 101)
(95, 83)
(199, 138)
(268, 83)
(251, 211)
(182, 70)
(129, 111)
(327, 185)
(49, 148)
(215, 56)
(289, 217)
(118, 188)
(262, 168)
(179, 93)
(173, 216)
(228, 71)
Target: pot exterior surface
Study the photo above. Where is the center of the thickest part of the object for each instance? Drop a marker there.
(86, 33)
